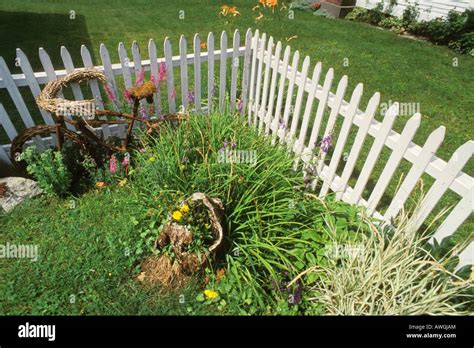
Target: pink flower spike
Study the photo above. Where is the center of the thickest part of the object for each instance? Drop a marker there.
(127, 95)
(110, 93)
(140, 77)
(113, 164)
(162, 72)
(126, 160)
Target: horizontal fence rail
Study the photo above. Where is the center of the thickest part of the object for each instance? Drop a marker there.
(292, 106)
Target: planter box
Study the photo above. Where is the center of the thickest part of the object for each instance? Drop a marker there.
(338, 8)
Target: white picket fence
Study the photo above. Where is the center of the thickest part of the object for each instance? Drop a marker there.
(279, 99)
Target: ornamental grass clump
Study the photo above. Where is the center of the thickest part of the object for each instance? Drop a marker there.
(394, 275)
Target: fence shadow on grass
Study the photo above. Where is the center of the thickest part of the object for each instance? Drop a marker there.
(29, 31)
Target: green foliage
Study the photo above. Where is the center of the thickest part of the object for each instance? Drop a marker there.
(49, 170)
(360, 14)
(393, 23)
(410, 15)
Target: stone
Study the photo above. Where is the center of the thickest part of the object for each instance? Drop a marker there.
(17, 190)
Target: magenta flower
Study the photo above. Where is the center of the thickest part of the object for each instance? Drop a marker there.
(162, 72)
(110, 93)
(326, 143)
(127, 96)
(113, 164)
(150, 109)
(152, 79)
(140, 77)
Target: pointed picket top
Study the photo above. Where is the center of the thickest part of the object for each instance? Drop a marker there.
(321, 108)
(125, 62)
(32, 82)
(184, 71)
(154, 71)
(137, 58)
(246, 73)
(69, 66)
(197, 72)
(210, 71)
(235, 66)
(169, 75)
(281, 89)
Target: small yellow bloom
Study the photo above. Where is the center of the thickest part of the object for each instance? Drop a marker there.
(177, 215)
(152, 159)
(122, 182)
(210, 294)
(185, 208)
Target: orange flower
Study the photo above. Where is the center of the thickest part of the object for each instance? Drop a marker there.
(100, 184)
(272, 3)
(224, 10)
(204, 45)
(233, 11)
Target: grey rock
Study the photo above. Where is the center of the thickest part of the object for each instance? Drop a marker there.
(18, 189)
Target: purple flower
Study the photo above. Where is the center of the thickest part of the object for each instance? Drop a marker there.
(113, 164)
(185, 159)
(226, 143)
(140, 77)
(143, 113)
(162, 72)
(234, 144)
(326, 143)
(191, 97)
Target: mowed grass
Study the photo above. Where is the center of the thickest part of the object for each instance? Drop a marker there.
(401, 69)
(86, 261)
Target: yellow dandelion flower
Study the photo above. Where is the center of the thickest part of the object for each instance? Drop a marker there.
(210, 294)
(185, 208)
(152, 159)
(177, 215)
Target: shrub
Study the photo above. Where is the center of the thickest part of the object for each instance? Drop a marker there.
(393, 23)
(49, 170)
(410, 15)
(360, 14)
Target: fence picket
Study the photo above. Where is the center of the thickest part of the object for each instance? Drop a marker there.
(357, 145)
(137, 59)
(169, 76)
(466, 257)
(300, 143)
(271, 98)
(197, 73)
(289, 95)
(246, 72)
(263, 104)
(455, 165)
(234, 70)
(374, 152)
(394, 160)
(87, 60)
(32, 82)
(125, 63)
(342, 138)
(455, 219)
(7, 124)
(319, 114)
(51, 75)
(4, 158)
(261, 55)
(184, 72)
(222, 69)
(69, 66)
(426, 154)
(108, 72)
(255, 47)
(210, 71)
(299, 100)
(275, 126)
(154, 71)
